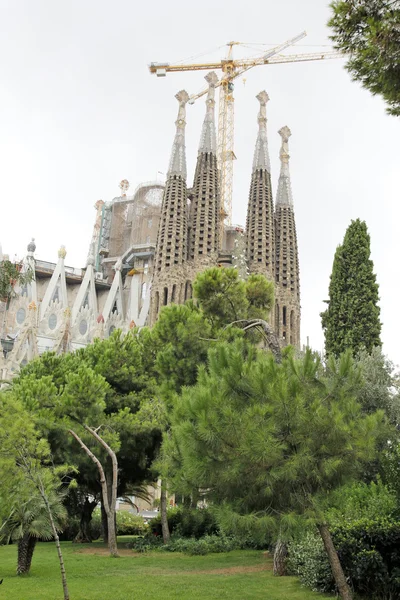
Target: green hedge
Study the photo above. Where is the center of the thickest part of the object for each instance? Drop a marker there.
(369, 552)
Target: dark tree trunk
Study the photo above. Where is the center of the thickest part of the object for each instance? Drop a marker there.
(337, 571)
(26, 546)
(164, 519)
(280, 554)
(84, 535)
(104, 523)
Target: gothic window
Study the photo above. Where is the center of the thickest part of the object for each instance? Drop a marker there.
(284, 315)
(165, 302)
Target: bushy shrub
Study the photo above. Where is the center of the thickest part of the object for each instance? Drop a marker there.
(308, 560)
(146, 543)
(127, 524)
(369, 553)
(362, 501)
(186, 522)
(191, 546)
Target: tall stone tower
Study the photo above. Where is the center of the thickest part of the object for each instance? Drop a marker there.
(287, 307)
(260, 234)
(171, 248)
(205, 199)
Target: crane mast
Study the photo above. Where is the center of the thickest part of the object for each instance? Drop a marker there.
(231, 69)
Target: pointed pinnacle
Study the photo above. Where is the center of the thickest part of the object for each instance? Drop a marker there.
(211, 78)
(285, 134)
(263, 98)
(182, 96)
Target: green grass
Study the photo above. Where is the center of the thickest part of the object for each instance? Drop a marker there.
(155, 575)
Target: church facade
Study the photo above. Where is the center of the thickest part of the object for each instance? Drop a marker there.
(146, 250)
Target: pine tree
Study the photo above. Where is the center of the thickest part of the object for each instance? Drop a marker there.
(351, 320)
(368, 32)
(269, 442)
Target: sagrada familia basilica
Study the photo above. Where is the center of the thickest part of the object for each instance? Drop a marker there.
(147, 248)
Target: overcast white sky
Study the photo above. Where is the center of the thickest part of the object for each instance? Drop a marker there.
(79, 111)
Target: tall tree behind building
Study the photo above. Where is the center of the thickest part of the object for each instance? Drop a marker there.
(352, 317)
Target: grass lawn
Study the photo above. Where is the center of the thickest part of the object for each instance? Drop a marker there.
(92, 575)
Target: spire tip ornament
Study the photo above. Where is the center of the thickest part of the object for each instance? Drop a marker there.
(31, 246)
(208, 139)
(261, 154)
(284, 195)
(62, 253)
(124, 186)
(177, 163)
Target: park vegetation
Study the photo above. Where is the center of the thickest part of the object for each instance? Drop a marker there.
(262, 447)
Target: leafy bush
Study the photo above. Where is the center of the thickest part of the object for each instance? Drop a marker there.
(370, 555)
(308, 561)
(187, 522)
(146, 543)
(372, 501)
(192, 546)
(369, 552)
(127, 524)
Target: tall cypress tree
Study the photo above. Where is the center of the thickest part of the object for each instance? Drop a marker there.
(352, 317)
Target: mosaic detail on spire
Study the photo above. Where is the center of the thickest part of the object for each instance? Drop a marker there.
(177, 165)
(208, 140)
(261, 154)
(284, 194)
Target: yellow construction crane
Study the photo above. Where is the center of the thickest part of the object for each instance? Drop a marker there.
(231, 69)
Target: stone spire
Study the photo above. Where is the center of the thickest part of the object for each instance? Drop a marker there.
(284, 193)
(204, 209)
(171, 249)
(208, 140)
(177, 163)
(287, 307)
(260, 233)
(261, 154)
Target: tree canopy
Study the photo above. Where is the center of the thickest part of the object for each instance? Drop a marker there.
(351, 320)
(368, 31)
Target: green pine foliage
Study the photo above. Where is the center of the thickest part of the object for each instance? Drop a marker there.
(368, 31)
(270, 439)
(351, 320)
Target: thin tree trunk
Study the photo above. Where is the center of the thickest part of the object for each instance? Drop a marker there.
(337, 571)
(104, 525)
(109, 506)
(280, 554)
(57, 543)
(164, 519)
